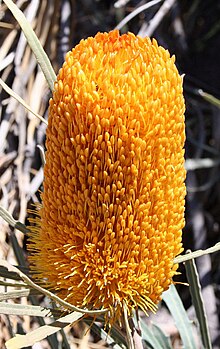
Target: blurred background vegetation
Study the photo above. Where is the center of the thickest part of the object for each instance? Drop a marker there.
(190, 29)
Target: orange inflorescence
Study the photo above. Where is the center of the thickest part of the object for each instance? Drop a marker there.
(112, 209)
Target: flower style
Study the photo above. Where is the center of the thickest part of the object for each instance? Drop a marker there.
(112, 209)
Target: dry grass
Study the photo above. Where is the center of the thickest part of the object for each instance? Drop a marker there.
(190, 30)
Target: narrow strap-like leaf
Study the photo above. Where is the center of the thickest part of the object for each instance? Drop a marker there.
(34, 43)
(11, 221)
(196, 294)
(153, 340)
(184, 325)
(20, 100)
(163, 339)
(196, 254)
(210, 98)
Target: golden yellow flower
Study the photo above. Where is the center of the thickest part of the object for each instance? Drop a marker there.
(112, 209)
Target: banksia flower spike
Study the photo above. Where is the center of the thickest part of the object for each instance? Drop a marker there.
(112, 209)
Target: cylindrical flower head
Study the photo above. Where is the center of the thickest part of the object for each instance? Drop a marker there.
(112, 209)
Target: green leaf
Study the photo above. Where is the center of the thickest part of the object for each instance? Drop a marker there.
(34, 43)
(210, 98)
(196, 254)
(21, 101)
(11, 221)
(154, 337)
(196, 294)
(162, 338)
(183, 324)
(20, 341)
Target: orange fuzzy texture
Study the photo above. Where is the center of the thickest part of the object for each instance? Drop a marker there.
(112, 209)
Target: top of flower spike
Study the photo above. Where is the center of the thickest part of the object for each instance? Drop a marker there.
(113, 203)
